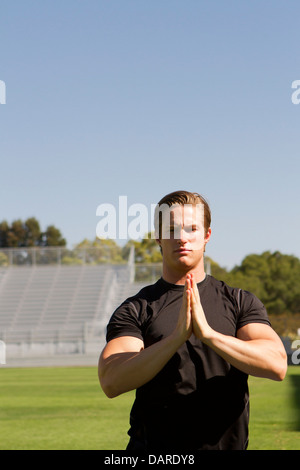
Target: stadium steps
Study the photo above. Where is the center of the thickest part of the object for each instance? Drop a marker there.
(40, 304)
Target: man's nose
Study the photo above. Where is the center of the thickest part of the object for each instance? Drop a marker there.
(182, 236)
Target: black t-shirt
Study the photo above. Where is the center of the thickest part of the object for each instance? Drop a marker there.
(198, 400)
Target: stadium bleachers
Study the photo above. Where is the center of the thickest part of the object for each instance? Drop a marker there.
(60, 305)
(53, 313)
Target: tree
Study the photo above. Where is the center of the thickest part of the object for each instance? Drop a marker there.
(16, 234)
(28, 234)
(273, 277)
(145, 251)
(52, 237)
(32, 232)
(217, 271)
(101, 251)
(4, 229)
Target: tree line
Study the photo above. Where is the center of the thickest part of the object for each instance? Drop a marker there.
(28, 233)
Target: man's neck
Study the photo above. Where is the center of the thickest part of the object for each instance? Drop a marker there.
(179, 277)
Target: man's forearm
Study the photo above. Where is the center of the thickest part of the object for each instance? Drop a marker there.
(126, 371)
(256, 357)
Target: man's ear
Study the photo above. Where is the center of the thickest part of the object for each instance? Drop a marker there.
(207, 237)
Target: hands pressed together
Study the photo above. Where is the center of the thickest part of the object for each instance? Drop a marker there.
(191, 316)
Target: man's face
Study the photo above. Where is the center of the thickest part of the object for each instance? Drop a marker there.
(183, 238)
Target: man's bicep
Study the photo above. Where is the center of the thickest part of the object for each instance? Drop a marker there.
(122, 344)
(264, 335)
(254, 331)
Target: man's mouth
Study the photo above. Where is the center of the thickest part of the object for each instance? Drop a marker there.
(182, 250)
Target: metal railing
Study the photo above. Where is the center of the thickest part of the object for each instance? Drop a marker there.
(37, 256)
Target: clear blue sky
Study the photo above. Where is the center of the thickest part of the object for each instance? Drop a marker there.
(140, 98)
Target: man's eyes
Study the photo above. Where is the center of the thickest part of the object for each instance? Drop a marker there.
(191, 228)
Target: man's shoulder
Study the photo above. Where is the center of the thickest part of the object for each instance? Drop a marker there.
(224, 290)
(244, 299)
(219, 284)
(147, 293)
(233, 290)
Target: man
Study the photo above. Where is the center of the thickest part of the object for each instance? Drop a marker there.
(187, 345)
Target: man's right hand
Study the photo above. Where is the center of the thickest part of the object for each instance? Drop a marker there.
(184, 324)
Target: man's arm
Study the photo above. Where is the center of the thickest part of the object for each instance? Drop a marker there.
(262, 354)
(124, 363)
(257, 350)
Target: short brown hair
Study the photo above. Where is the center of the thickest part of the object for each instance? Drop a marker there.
(186, 197)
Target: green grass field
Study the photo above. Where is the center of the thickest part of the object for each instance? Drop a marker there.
(64, 408)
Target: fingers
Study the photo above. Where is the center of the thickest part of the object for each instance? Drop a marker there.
(184, 326)
(194, 287)
(186, 300)
(186, 292)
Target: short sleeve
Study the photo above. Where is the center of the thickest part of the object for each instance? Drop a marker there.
(252, 310)
(124, 322)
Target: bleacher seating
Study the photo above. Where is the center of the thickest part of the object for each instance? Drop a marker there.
(60, 304)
